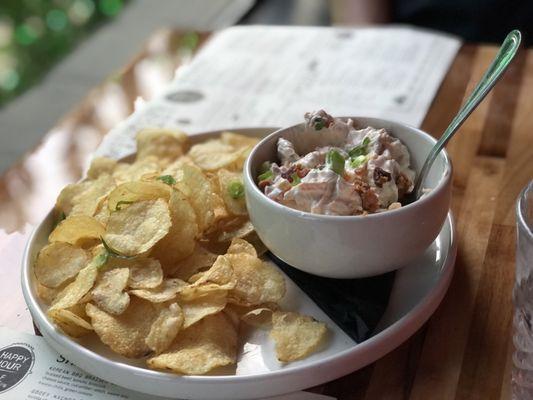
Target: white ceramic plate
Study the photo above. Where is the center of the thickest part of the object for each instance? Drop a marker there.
(417, 291)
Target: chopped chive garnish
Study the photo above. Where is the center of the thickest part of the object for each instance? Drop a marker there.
(295, 179)
(335, 161)
(358, 161)
(168, 179)
(236, 190)
(265, 176)
(119, 205)
(318, 123)
(360, 150)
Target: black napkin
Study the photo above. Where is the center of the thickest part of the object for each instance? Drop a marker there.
(355, 305)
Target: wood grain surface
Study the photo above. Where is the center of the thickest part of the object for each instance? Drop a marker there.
(464, 351)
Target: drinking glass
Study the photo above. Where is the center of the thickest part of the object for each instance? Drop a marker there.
(522, 374)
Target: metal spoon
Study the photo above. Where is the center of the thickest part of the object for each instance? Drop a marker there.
(499, 65)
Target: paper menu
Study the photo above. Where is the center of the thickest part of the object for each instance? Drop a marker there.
(31, 370)
(249, 76)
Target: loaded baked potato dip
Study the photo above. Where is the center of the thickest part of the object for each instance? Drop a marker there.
(158, 259)
(362, 170)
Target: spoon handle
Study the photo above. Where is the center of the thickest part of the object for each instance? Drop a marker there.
(499, 65)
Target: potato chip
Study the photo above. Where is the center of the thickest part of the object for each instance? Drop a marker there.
(238, 141)
(125, 172)
(260, 317)
(71, 321)
(165, 144)
(179, 243)
(145, 273)
(213, 155)
(199, 307)
(257, 281)
(130, 192)
(192, 183)
(232, 191)
(77, 230)
(75, 291)
(100, 166)
(165, 328)
(241, 246)
(125, 334)
(58, 262)
(208, 344)
(295, 335)
(83, 198)
(238, 231)
(137, 228)
(165, 292)
(220, 211)
(46, 294)
(200, 259)
(108, 293)
(102, 212)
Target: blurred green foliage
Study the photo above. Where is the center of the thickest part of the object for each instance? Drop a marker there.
(35, 34)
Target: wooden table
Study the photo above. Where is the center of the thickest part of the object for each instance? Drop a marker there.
(464, 351)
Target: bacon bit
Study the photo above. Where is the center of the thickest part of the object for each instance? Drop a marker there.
(404, 184)
(370, 200)
(264, 184)
(302, 172)
(381, 176)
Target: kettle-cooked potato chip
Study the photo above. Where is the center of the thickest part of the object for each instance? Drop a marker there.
(238, 141)
(125, 334)
(199, 307)
(164, 292)
(165, 144)
(101, 165)
(241, 246)
(213, 155)
(200, 259)
(296, 336)
(58, 262)
(208, 344)
(232, 191)
(165, 328)
(71, 321)
(257, 281)
(131, 192)
(137, 228)
(125, 172)
(145, 273)
(76, 230)
(75, 291)
(83, 198)
(108, 293)
(179, 243)
(193, 183)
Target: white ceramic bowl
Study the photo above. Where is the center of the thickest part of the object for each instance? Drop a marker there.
(350, 246)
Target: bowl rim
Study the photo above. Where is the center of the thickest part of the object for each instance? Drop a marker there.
(249, 180)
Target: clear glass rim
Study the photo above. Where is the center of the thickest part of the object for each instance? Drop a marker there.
(521, 204)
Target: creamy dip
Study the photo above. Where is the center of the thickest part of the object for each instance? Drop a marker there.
(365, 171)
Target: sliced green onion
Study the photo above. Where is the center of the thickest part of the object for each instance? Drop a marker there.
(335, 161)
(318, 123)
(358, 161)
(236, 190)
(360, 150)
(101, 259)
(265, 176)
(295, 179)
(168, 179)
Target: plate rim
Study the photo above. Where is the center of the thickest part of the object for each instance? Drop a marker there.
(370, 350)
